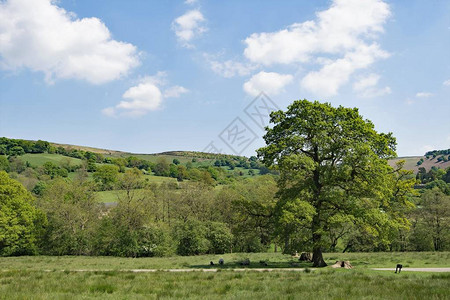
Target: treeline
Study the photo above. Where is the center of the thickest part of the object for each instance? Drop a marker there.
(435, 177)
(191, 170)
(442, 155)
(149, 219)
(15, 147)
(64, 217)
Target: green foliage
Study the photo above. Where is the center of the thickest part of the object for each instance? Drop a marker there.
(162, 167)
(335, 160)
(16, 151)
(219, 237)
(72, 212)
(435, 214)
(106, 176)
(20, 222)
(191, 238)
(4, 163)
(435, 153)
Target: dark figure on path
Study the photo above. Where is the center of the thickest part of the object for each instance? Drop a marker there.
(211, 263)
(221, 261)
(399, 268)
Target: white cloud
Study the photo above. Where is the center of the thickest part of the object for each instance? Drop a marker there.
(341, 28)
(366, 82)
(43, 37)
(190, 2)
(424, 95)
(367, 87)
(447, 82)
(175, 91)
(270, 83)
(228, 68)
(340, 39)
(188, 26)
(331, 76)
(144, 97)
(109, 111)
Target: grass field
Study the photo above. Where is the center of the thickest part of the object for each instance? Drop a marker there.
(330, 284)
(274, 260)
(57, 278)
(37, 160)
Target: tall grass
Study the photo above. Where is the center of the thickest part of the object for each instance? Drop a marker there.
(319, 284)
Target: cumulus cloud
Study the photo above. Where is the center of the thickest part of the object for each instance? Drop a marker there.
(338, 29)
(144, 97)
(40, 36)
(424, 95)
(228, 68)
(270, 83)
(341, 40)
(333, 75)
(189, 26)
(366, 86)
(175, 91)
(447, 82)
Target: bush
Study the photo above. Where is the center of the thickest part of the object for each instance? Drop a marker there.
(191, 238)
(219, 237)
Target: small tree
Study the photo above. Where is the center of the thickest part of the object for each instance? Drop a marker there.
(106, 176)
(162, 167)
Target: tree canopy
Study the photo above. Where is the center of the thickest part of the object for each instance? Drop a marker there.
(20, 221)
(332, 163)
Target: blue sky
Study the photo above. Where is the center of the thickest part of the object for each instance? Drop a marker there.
(153, 76)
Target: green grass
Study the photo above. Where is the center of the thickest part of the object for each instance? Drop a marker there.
(159, 179)
(45, 277)
(274, 260)
(322, 284)
(108, 196)
(39, 159)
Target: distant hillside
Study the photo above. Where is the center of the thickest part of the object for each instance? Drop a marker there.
(90, 149)
(411, 163)
(149, 156)
(184, 156)
(432, 158)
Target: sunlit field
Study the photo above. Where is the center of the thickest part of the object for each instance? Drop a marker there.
(69, 277)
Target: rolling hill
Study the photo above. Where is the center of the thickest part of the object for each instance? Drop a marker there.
(198, 159)
(209, 158)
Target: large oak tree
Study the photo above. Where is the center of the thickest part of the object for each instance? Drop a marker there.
(336, 164)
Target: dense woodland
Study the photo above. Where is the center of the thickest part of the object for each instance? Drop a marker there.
(209, 208)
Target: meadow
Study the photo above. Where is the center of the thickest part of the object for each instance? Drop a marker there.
(68, 277)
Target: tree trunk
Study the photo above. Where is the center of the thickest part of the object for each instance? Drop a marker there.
(317, 251)
(317, 242)
(286, 244)
(318, 258)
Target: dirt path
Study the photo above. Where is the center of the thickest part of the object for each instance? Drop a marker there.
(202, 270)
(415, 269)
(180, 270)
